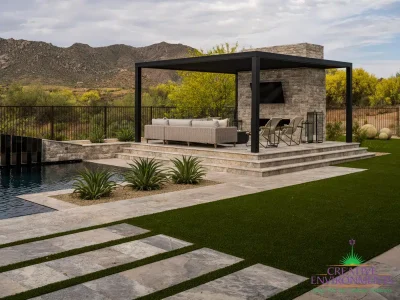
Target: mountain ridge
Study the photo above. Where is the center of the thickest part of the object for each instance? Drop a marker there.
(80, 64)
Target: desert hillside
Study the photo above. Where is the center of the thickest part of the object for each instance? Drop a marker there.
(30, 62)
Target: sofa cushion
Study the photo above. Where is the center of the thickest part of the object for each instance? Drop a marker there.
(222, 123)
(180, 122)
(205, 124)
(159, 122)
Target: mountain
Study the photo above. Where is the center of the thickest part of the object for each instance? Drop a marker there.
(81, 65)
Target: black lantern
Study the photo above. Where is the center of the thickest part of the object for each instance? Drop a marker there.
(315, 127)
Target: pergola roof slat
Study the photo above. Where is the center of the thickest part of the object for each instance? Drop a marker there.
(241, 62)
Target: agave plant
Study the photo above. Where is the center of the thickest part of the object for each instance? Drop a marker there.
(97, 136)
(187, 170)
(126, 135)
(145, 175)
(91, 185)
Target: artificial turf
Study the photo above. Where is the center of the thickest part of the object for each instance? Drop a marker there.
(302, 228)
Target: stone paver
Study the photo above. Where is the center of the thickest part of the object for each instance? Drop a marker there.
(255, 282)
(69, 267)
(10, 287)
(386, 263)
(391, 257)
(232, 185)
(153, 277)
(34, 276)
(19, 253)
(73, 293)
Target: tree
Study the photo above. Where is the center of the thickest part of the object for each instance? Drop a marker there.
(62, 97)
(158, 96)
(90, 98)
(364, 85)
(387, 92)
(203, 94)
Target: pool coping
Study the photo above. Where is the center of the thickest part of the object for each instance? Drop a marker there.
(46, 199)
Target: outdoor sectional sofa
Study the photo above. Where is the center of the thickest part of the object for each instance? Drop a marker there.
(191, 131)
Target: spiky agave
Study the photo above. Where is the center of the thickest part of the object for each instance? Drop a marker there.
(187, 170)
(92, 185)
(126, 135)
(145, 175)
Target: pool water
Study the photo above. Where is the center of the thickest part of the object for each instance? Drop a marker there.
(37, 179)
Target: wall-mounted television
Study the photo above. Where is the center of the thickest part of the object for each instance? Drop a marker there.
(271, 92)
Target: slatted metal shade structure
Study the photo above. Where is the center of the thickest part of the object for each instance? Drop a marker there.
(251, 61)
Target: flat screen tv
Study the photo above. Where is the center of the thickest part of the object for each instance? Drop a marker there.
(271, 92)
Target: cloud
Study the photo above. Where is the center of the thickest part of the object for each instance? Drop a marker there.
(344, 27)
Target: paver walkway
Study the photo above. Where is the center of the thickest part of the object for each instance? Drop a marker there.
(28, 251)
(20, 228)
(255, 282)
(42, 274)
(149, 278)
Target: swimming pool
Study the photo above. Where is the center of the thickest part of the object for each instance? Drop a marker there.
(37, 179)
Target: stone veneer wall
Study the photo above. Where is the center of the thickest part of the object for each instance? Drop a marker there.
(303, 88)
(55, 151)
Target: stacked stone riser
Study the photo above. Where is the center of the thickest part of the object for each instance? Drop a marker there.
(279, 161)
(272, 162)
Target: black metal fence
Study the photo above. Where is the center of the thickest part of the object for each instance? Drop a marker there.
(79, 122)
(380, 117)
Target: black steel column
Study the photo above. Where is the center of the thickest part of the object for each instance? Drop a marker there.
(349, 105)
(255, 104)
(105, 122)
(138, 104)
(236, 97)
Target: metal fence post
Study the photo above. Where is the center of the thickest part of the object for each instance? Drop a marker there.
(52, 123)
(105, 122)
(398, 121)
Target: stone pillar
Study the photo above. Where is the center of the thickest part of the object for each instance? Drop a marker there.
(303, 88)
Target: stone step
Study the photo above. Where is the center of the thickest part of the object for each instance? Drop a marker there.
(264, 172)
(271, 171)
(241, 153)
(161, 155)
(39, 275)
(255, 282)
(43, 248)
(150, 278)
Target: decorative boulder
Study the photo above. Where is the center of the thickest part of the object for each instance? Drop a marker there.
(370, 130)
(383, 136)
(387, 131)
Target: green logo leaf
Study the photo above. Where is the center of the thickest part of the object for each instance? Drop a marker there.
(352, 259)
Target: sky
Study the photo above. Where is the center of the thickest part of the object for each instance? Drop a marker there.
(364, 32)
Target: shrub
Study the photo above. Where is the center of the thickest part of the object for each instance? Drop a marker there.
(187, 170)
(116, 126)
(97, 135)
(370, 130)
(126, 135)
(57, 136)
(91, 185)
(387, 131)
(360, 135)
(333, 131)
(145, 175)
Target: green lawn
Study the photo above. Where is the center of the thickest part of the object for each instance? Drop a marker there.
(301, 228)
